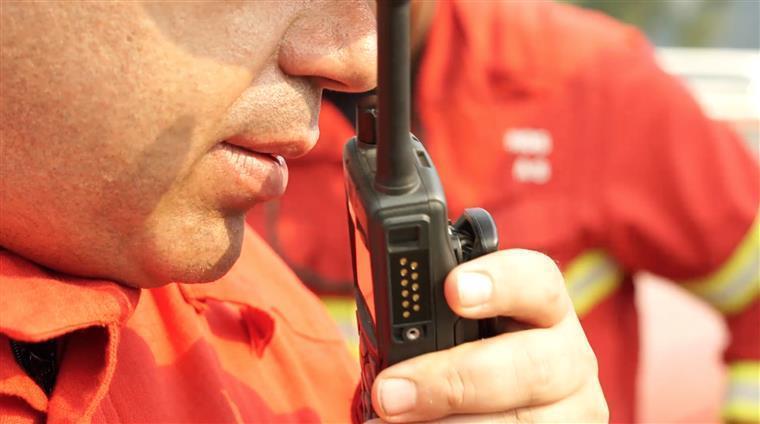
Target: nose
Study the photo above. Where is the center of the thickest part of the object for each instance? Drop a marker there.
(334, 44)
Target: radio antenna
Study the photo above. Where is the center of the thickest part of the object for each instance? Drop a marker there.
(396, 172)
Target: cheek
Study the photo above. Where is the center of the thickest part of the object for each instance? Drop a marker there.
(233, 32)
(100, 129)
(122, 117)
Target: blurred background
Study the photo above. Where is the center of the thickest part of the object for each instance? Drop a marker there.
(713, 46)
(688, 23)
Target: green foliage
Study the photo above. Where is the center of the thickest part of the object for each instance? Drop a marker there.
(690, 23)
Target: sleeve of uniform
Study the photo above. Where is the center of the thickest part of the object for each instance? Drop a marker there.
(679, 198)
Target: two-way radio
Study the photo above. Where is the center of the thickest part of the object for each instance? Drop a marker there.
(402, 242)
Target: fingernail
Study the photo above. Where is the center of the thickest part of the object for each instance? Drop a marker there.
(397, 395)
(474, 288)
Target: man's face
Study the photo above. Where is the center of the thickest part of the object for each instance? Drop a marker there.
(129, 129)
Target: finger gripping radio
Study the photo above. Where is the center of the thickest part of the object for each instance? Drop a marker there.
(403, 244)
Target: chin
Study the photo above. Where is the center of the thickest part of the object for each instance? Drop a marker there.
(191, 254)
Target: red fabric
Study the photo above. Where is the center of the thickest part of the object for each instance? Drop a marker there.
(254, 346)
(745, 333)
(611, 328)
(635, 168)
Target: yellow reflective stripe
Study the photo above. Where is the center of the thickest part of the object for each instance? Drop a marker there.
(736, 284)
(343, 311)
(743, 396)
(591, 277)
(745, 371)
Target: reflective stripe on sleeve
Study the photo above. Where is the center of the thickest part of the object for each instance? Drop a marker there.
(343, 310)
(591, 277)
(736, 284)
(743, 395)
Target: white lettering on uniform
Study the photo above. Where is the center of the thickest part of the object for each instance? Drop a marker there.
(531, 146)
(528, 141)
(529, 170)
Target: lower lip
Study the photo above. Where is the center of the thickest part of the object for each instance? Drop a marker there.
(258, 176)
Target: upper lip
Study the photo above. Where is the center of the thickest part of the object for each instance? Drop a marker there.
(289, 149)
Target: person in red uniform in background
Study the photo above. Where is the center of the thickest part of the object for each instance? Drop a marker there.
(560, 123)
(135, 136)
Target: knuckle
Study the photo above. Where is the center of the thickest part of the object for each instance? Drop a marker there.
(524, 415)
(554, 277)
(552, 294)
(455, 388)
(542, 379)
(544, 260)
(506, 416)
(552, 280)
(539, 378)
(514, 416)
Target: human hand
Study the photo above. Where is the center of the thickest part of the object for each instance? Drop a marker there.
(543, 372)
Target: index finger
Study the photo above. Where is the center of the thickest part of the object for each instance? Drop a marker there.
(515, 370)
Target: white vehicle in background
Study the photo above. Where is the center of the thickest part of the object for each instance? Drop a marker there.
(682, 378)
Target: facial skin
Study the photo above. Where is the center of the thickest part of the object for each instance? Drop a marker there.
(113, 115)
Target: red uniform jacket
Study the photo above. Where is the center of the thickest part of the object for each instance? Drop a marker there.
(559, 122)
(255, 346)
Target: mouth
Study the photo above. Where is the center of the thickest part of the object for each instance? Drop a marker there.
(250, 170)
(244, 154)
(248, 176)
(287, 149)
